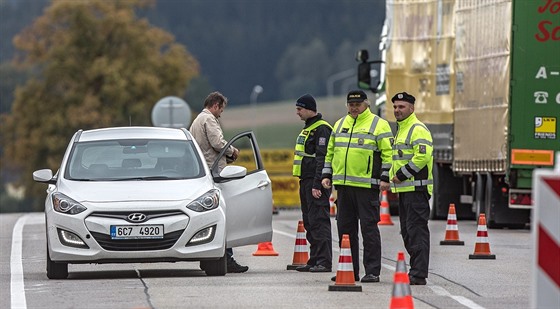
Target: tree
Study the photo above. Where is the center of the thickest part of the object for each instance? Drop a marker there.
(302, 67)
(96, 65)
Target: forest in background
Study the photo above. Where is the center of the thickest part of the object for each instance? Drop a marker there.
(289, 47)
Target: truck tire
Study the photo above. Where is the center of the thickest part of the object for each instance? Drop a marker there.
(498, 213)
(479, 197)
(487, 203)
(447, 190)
(436, 200)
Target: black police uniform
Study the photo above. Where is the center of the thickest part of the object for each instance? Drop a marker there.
(316, 212)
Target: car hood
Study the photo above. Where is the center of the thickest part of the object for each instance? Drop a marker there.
(122, 191)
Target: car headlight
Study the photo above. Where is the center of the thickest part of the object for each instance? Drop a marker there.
(66, 205)
(208, 201)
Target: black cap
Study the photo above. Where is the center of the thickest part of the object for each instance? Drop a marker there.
(307, 101)
(403, 96)
(356, 96)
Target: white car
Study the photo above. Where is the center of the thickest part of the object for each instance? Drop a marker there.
(146, 194)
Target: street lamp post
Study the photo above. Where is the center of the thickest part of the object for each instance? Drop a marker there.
(258, 89)
(338, 76)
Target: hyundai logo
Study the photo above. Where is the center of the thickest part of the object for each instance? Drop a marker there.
(137, 217)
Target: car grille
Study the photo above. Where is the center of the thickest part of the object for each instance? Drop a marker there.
(168, 240)
(107, 243)
(124, 214)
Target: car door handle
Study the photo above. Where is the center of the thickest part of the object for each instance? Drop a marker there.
(263, 184)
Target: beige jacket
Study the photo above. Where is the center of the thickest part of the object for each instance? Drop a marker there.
(207, 132)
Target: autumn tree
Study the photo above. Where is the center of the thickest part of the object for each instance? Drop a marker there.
(96, 64)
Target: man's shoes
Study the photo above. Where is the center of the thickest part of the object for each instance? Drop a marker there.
(370, 278)
(417, 280)
(356, 278)
(304, 268)
(320, 269)
(234, 267)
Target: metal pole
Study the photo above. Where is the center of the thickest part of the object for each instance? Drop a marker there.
(171, 124)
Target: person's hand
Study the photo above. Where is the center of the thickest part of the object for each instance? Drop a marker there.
(384, 186)
(235, 153)
(326, 183)
(316, 193)
(395, 180)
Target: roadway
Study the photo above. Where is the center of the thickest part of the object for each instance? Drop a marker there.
(454, 281)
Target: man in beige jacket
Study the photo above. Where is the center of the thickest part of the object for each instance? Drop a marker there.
(208, 133)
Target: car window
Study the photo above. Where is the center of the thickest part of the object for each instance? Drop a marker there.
(247, 155)
(133, 159)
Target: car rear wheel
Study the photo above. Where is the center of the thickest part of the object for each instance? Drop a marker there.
(215, 267)
(56, 270)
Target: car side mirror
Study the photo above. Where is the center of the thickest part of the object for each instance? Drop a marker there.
(231, 172)
(44, 175)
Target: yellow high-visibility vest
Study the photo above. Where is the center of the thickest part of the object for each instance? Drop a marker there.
(299, 152)
(412, 157)
(353, 146)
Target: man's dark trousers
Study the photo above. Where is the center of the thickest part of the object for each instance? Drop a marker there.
(360, 204)
(414, 212)
(317, 223)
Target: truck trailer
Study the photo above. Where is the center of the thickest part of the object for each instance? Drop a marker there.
(486, 77)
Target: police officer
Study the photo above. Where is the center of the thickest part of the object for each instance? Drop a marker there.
(411, 178)
(357, 163)
(309, 156)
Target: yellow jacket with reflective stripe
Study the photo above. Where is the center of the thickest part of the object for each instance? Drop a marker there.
(299, 152)
(412, 157)
(359, 151)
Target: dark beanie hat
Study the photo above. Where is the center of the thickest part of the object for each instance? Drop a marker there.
(403, 96)
(308, 102)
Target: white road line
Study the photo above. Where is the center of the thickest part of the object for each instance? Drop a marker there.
(16, 267)
(460, 299)
(284, 233)
(16, 264)
(436, 288)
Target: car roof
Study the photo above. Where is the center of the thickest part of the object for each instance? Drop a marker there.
(134, 133)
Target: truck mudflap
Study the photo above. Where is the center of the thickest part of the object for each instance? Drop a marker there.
(495, 201)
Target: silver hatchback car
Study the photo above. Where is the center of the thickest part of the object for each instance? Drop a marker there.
(146, 194)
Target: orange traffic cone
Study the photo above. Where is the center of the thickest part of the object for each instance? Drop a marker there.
(401, 297)
(452, 230)
(265, 249)
(482, 246)
(333, 205)
(385, 216)
(301, 254)
(345, 274)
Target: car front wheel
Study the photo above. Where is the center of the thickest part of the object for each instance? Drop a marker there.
(56, 270)
(215, 267)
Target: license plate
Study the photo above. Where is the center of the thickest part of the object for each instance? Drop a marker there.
(137, 231)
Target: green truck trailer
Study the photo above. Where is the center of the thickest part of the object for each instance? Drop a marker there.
(486, 75)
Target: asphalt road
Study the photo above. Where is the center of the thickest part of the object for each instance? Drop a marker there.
(455, 281)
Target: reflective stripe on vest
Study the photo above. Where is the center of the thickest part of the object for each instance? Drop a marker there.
(299, 152)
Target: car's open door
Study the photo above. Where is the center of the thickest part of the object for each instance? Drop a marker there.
(249, 198)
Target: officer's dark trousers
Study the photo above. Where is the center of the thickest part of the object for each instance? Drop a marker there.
(360, 204)
(414, 212)
(317, 223)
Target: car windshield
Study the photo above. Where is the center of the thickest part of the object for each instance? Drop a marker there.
(134, 159)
